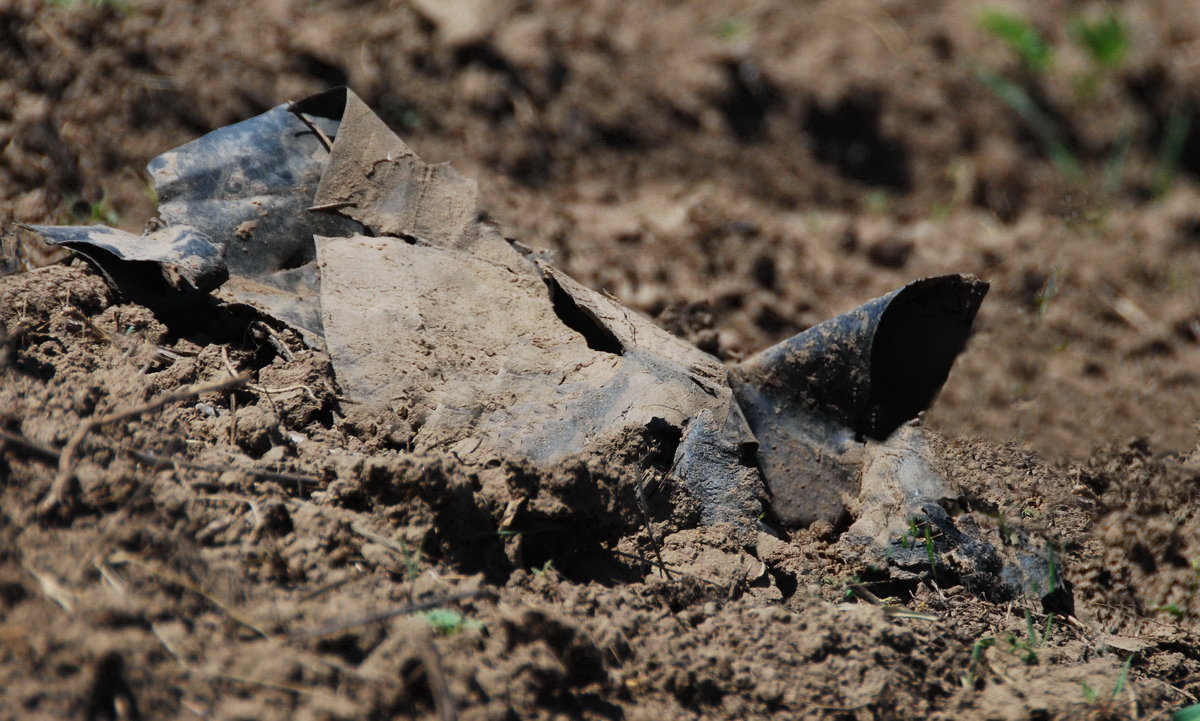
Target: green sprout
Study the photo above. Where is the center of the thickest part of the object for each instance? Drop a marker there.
(1175, 137)
(448, 622)
(1174, 610)
(1120, 684)
(121, 7)
(1043, 128)
(1022, 38)
(1093, 697)
(1118, 156)
(1052, 568)
(930, 554)
(732, 29)
(1036, 639)
(1004, 529)
(1041, 301)
(878, 202)
(97, 213)
(972, 673)
(1105, 40)
(1021, 648)
(412, 558)
(102, 212)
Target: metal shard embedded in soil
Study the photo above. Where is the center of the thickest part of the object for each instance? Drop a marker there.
(324, 219)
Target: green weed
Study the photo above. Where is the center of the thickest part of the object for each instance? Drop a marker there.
(1187, 713)
(1105, 40)
(971, 675)
(930, 554)
(732, 29)
(1092, 696)
(448, 622)
(85, 213)
(412, 559)
(1175, 137)
(1022, 38)
(121, 7)
(1039, 122)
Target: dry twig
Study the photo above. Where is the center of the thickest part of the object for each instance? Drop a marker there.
(157, 461)
(59, 493)
(390, 614)
(29, 446)
(645, 509)
(663, 567)
(171, 577)
(435, 674)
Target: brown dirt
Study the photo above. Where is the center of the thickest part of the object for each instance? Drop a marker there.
(739, 177)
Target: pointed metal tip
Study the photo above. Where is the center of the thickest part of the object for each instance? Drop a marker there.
(862, 374)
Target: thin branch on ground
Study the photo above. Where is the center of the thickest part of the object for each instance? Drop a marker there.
(645, 509)
(171, 577)
(29, 446)
(663, 566)
(158, 461)
(435, 674)
(46, 453)
(389, 614)
(60, 490)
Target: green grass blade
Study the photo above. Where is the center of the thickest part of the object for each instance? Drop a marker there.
(1105, 40)
(1178, 127)
(1187, 713)
(1021, 37)
(1039, 123)
(1120, 684)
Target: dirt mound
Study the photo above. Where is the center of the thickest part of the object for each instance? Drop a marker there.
(244, 552)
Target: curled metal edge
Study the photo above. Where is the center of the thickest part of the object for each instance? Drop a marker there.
(810, 399)
(178, 262)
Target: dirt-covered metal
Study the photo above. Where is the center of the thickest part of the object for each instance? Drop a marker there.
(324, 219)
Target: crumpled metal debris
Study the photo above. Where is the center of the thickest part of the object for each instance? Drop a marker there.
(322, 218)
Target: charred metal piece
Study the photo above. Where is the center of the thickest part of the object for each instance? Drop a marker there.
(812, 399)
(324, 219)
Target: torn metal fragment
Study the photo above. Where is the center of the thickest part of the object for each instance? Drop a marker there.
(325, 220)
(170, 261)
(813, 398)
